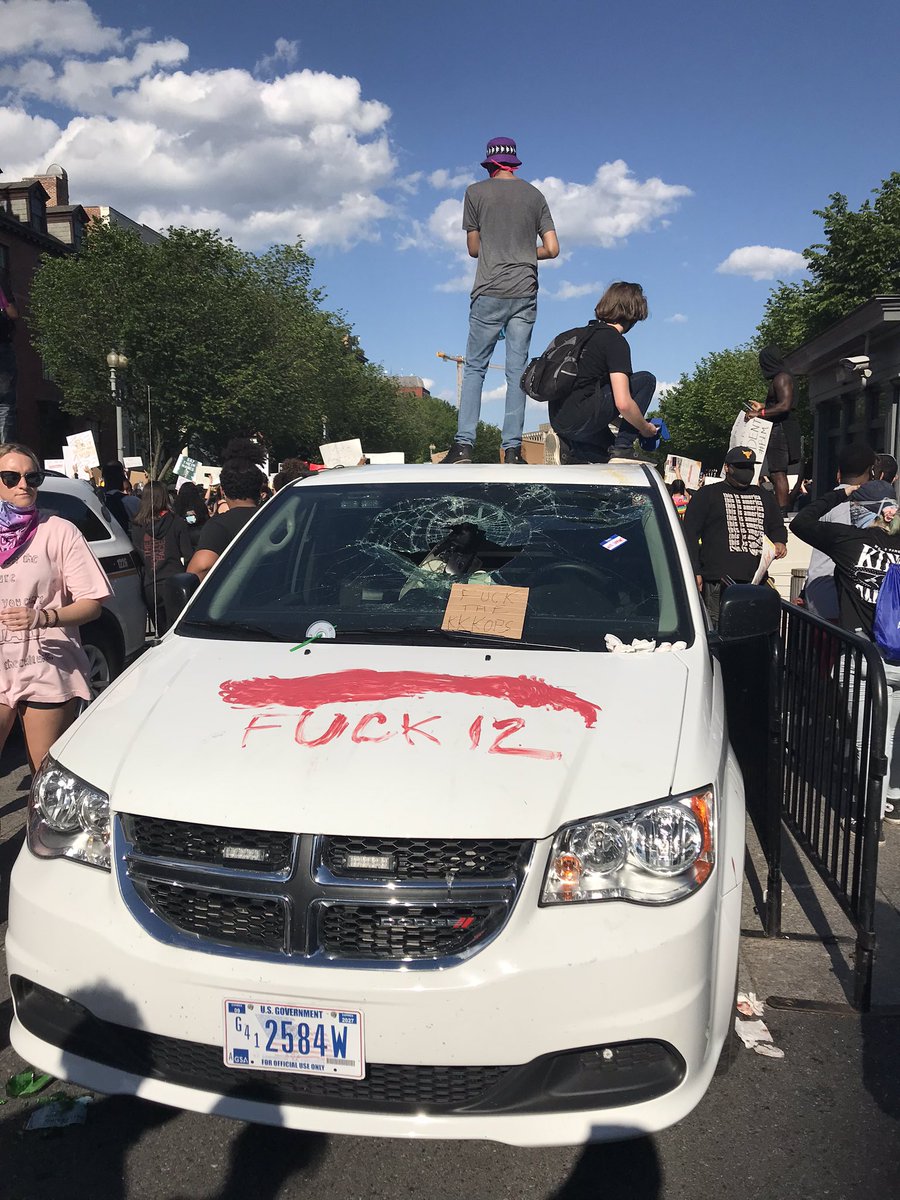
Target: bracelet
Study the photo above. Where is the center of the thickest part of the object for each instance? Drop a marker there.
(762, 413)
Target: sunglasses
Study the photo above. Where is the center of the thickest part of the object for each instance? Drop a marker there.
(11, 479)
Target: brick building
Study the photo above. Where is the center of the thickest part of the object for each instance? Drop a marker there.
(36, 218)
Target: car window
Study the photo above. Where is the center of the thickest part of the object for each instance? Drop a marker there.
(74, 509)
(380, 560)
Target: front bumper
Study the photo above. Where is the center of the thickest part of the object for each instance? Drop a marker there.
(512, 1045)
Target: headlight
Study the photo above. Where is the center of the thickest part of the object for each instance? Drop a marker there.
(67, 818)
(654, 854)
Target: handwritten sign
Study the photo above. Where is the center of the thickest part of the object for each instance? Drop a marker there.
(84, 450)
(754, 433)
(498, 611)
(687, 468)
(342, 454)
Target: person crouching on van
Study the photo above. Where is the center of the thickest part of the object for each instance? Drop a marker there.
(604, 412)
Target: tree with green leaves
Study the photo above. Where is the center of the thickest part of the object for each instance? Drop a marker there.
(859, 259)
(701, 407)
(226, 342)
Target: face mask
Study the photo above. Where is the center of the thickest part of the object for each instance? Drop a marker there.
(191, 518)
(743, 476)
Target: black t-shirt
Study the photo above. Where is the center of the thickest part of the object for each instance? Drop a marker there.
(605, 353)
(223, 528)
(724, 527)
(861, 558)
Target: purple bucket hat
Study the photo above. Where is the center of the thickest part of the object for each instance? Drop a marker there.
(501, 150)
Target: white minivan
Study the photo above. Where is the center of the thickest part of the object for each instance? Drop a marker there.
(422, 822)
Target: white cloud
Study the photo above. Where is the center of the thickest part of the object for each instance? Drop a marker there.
(284, 52)
(494, 393)
(300, 154)
(429, 383)
(676, 319)
(661, 389)
(443, 181)
(610, 208)
(762, 262)
(54, 27)
(574, 291)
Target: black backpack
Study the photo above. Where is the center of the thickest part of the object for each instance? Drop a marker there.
(552, 375)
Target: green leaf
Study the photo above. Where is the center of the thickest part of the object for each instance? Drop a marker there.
(26, 1083)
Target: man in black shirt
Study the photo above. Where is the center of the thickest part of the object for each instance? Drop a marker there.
(242, 482)
(604, 412)
(861, 559)
(724, 527)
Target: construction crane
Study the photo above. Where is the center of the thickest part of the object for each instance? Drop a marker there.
(459, 359)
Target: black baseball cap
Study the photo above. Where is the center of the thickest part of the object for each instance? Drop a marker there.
(740, 456)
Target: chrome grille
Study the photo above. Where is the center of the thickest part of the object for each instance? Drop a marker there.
(413, 858)
(325, 899)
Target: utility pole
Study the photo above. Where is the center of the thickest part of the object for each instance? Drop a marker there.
(460, 359)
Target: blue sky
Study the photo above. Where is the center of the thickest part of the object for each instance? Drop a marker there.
(669, 139)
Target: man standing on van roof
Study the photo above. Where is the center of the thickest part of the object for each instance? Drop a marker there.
(724, 527)
(503, 217)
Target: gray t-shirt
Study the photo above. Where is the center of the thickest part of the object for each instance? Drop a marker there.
(510, 215)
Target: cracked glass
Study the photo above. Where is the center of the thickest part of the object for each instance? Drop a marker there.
(377, 561)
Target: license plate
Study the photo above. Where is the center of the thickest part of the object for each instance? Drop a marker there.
(294, 1037)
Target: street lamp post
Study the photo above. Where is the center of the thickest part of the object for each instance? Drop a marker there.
(116, 361)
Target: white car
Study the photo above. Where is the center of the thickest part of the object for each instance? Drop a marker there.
(385, 838)
(119, 633)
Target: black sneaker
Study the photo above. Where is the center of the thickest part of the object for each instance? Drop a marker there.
(892, 810)
(459, 452)
(513, 455)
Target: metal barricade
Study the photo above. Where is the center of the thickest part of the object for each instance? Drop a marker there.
(833, 708)
(751, 673)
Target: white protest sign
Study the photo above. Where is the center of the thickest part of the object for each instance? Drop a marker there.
(687, 468)
(69, 460)
(84, 451)
(342, 454)
(754, 434)
(206, 475)
(766, 559)
(391, 456)
(134, 463)
(55, 464)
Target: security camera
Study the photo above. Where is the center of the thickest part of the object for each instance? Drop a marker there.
(858, 364)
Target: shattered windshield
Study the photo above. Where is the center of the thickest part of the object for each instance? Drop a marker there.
(534, 565)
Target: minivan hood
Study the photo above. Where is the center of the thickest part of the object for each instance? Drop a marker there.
(413, 741)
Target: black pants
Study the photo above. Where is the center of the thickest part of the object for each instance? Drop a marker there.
(595, 441)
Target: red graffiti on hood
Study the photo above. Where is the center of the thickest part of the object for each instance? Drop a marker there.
(361, 686)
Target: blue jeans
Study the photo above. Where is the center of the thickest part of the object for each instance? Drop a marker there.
(488, 317)
(595, 441)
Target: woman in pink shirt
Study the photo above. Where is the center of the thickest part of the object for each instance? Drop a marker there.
(50, 583)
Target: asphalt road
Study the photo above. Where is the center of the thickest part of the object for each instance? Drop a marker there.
(824, 1122)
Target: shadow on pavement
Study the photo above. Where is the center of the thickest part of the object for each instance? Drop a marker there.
(615, 1171)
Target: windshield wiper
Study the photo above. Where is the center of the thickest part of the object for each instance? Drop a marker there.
(450, 635)
(238, 628)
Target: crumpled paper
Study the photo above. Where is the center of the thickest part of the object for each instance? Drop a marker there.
(615, 645)
(754, 1033)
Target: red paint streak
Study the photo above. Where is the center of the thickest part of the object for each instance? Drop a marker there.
(505, 729)
(357, 734)
(475, 733)
(255, 724)
(408, 730)
(360, 686)
(335, 729)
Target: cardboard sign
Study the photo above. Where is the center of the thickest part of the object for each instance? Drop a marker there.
(754, 433)
(688, 468)
(495, 610)
(84, 451)
(342, 454)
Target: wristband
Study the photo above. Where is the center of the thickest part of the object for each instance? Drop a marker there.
(762, 412)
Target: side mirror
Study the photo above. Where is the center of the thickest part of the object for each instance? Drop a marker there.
(177, 591)
(747, 611)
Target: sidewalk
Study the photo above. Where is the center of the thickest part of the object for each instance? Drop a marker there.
(813, 959)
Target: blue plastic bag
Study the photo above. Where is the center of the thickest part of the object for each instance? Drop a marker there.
(661, 436)
(887, 616)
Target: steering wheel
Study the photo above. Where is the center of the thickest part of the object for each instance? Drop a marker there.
(572, 569)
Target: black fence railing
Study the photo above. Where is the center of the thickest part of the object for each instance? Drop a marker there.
(806, 720)
(833, 712)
